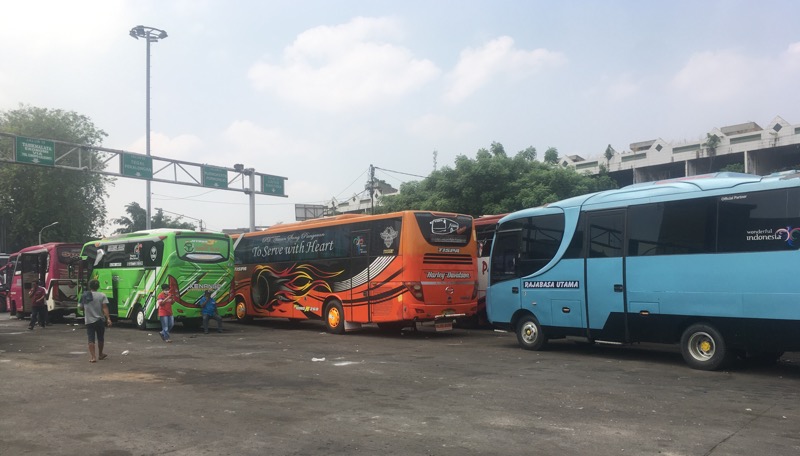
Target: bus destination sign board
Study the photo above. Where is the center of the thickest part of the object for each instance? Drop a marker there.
(35, 151)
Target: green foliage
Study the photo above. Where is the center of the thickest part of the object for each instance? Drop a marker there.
(32, 197)
(493, 183)
(529, 153)
(137, 220)
(712, 141)
(497, 149)
(551, 156)
(734, 168)
(609, 153)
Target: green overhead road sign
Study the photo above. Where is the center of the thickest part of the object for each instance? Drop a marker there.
(136, 165)
(215, 177)
(35, 151)
(272, 185)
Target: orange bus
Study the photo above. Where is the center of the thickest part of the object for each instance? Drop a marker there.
(395, 270)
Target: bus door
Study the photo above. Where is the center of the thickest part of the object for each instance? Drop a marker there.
(605, 279)
(32, 271)
(503, 293)
(360, 286)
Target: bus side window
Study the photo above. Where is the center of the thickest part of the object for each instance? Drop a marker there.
(605, 235)
(542, 237)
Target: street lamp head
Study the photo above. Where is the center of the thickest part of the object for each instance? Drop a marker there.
(151, 34)
(238, 167)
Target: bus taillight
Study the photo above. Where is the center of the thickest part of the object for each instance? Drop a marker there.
(415, 288)
(475, 290)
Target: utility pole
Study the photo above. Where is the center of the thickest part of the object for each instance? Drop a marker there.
(372, 189)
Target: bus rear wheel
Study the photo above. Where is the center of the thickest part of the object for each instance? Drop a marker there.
(139, 319)
(334, 318)
(529, 333)
(703, 348)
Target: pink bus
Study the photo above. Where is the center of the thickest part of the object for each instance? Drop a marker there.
(52, 265)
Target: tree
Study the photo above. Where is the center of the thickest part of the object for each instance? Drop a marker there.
(497, 149)
(711, 144)
(529, 153)
(137, 216)
(712, 141)
(551, 156)
(493, 184)
(609, 154)
(32, 197)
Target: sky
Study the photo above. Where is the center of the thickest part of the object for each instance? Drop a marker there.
(317, 91)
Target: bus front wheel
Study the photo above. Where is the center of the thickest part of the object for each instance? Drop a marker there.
(703, 348)
(334, 318)
(529, 333)
(139, 318)
(240, 312)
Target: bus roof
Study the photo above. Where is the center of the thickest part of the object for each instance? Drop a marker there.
(156, 232)
(337, 220)
(42, 248)
(663, 190)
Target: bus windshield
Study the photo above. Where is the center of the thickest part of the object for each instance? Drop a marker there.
(202, 249)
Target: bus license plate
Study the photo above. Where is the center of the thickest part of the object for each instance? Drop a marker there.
(444, 326)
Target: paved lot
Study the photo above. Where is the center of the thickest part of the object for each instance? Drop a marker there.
(275, 388)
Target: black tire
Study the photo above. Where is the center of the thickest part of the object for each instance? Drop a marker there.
(334, 318)
(529, 333)
(139, 318)
(704, 348)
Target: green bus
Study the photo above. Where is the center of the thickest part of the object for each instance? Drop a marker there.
(131, 268)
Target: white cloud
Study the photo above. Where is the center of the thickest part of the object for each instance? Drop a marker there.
(791, 57)
(623, 89)
(715, 76)
(433, 126)
(726, 75)
(260, 146)
(335, 68)
(477, 67)
(181, 147)
(36, 28)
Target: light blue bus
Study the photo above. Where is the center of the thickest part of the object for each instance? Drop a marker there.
(707, 262)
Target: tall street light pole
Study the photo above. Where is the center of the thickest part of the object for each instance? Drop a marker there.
(151, 35)
(40, 231)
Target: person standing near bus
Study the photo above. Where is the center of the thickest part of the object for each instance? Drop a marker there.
(96, 317)
(209, 306)
(38, 305)
(164, 303)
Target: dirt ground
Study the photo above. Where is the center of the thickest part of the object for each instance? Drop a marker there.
(272, 387)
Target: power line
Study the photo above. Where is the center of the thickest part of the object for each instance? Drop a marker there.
(400, 172)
